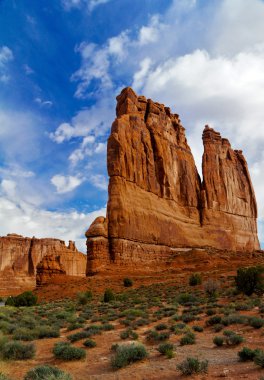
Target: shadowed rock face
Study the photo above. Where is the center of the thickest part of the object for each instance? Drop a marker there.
(157, 203)
(20, 255)
(48, 268)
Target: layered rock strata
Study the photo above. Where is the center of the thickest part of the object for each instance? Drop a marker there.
(157, 203)
(20, 255)
(48, 268)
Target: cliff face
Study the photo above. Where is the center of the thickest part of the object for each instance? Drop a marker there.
(157, 203)
(48, 268)
(19, 257)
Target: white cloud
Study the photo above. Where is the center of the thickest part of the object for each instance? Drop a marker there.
(25, 219)
(89, 4)
(95, 3)
(150, 33)
(6, 55)
(28, 70)
(99, 181)
(43, 103)
(65, 184)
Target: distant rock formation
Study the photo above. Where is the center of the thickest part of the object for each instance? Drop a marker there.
(19, 257)
(48, 268)
(157, 203)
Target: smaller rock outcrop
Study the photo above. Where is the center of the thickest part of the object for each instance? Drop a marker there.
(97, 246)
(48, 268)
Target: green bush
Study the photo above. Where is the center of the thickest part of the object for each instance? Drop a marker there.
(198, 328)
(15, 350)
(259, 358)
(161, 326)
(195, 279)
(218, 341)
(46, 372)
(4, 377)
(153, 335)
(128, 282)
(109, 295)
(90, 343)
(78, 336)
(214, 320)
(246, 354)
(232, 339)
(188, 338)
(193, 365)
(250, 280)
(65, 351)
(23, 333)
(84, 297)
(48, 332)
(127, 354)
(256, 322)
(129, 333)
(23, 299)
(166, 349)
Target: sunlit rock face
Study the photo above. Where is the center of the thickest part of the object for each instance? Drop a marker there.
(157, 203)
(19, 257)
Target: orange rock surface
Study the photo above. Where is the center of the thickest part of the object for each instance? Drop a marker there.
(19, 257)
(48, 268)
(157, 203)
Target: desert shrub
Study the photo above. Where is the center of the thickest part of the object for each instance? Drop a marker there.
(232, 339)
(218, 327)
(166, 349)
(218, 341)
(48, 332)
(198, 328)
(259, 358)
(46, 372)
(128, 354)
(161, 326)
(256, 322)
(153, 335)
(4, 377)
(187, 299)
(78, 336)
(108, 327)
(65, 351)
(90, 343)
(109, 295)
(15, 350)
(188, 317)
(214, 320)
(211, 288)
(23, 299)
(84, 297)
(127, 282)
(234, 319)
(93, 330)
(129, 333)
(250, 280)
(188, 338)
(23, 333)
(193, 365)
(195, 279)
(246, 354)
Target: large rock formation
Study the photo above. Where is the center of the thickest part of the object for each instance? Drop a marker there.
(48, 268)
(20, 255)
(157, 203)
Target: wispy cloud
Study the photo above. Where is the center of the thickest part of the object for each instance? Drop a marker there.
(6, 55)
(89, 4)
(43, 103)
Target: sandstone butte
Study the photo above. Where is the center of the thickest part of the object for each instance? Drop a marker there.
(22, 257)
(158, 207)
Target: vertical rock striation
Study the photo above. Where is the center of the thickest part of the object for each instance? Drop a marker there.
(157, 203)
(19, 257)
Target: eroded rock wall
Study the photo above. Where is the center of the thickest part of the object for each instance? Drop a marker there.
(19, 257)
(157, 202)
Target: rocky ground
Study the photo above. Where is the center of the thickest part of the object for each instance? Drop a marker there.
(165, 304)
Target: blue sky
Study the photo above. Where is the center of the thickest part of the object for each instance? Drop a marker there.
(63, 62)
